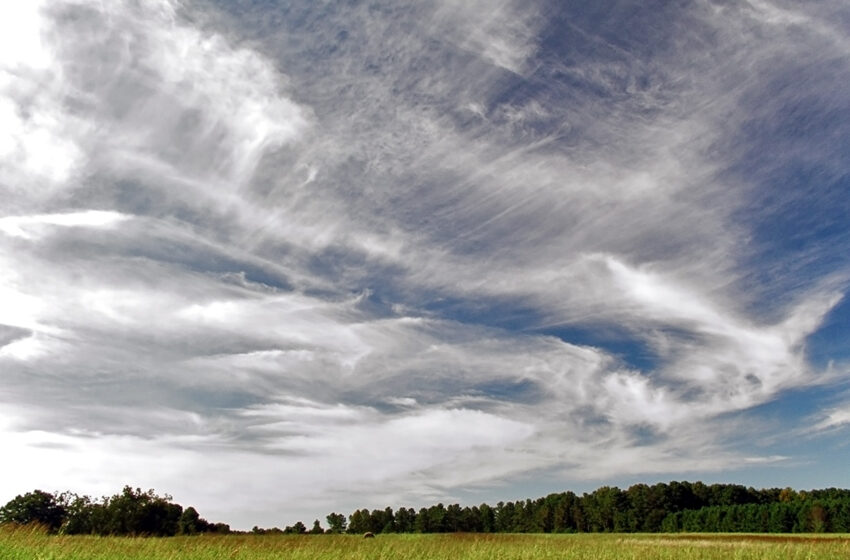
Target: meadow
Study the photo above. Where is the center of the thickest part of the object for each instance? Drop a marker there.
(28, 544)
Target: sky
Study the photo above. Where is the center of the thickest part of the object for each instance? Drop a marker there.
(279, 259)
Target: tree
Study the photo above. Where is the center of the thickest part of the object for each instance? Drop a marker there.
(504, 517)
(80, 514)
(189, 523)
(421, 523)
(358, 522)
(381, 521)
(404, 520)
(436, 516)
(219, 528)
(133, 512)
(817, 518)
(453, 519)
(487, 518)
(787, 495)
(317, 528)
(336, 523)
(35, 507)
(298, 529)
(602, 504)
(388, 521)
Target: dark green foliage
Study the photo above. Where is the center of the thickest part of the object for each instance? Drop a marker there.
(273, 531)
(190, 522)
(297, 529)
(672, 507)
(797, 516)
(80, 514)
(359, 522)
(132, 512)
(336, 523)
(404, 520)
(35, 507)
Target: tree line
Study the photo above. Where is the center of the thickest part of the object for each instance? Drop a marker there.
(671, 507)
(663, 507)
(131, 512)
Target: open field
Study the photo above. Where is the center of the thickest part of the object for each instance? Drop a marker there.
(23, 544)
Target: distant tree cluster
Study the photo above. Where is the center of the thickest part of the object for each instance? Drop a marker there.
(132, 512)
(673, 507)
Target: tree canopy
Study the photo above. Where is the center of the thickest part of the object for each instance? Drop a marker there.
(670, 507)
(130, 512)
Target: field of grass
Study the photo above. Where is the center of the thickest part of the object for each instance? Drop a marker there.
(25, 544)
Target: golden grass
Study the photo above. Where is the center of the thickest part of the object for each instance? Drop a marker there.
(28, 544)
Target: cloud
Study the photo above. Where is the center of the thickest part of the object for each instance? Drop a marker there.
(129, 90)
(502, 33)
(829, 420)
(343, 254)
(22, 226)
(835, 419)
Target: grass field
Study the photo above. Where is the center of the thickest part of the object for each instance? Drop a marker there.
(24, 544)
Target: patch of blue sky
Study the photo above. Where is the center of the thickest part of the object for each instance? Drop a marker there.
(789, 411)
(799, 238)
(633, 352)
(523, 319)
(499, 313)
(828, 345)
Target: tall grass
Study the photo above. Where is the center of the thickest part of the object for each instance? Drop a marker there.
(29, 544)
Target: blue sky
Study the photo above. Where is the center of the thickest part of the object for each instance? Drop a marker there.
(283, 258)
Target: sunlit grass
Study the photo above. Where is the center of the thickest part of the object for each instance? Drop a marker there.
(28, 544)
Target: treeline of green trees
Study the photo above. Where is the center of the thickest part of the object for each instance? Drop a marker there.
(673, 507)
(132, 512)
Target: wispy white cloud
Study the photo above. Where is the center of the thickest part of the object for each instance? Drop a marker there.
(503, 33)
(23, 226)
(831, 419)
